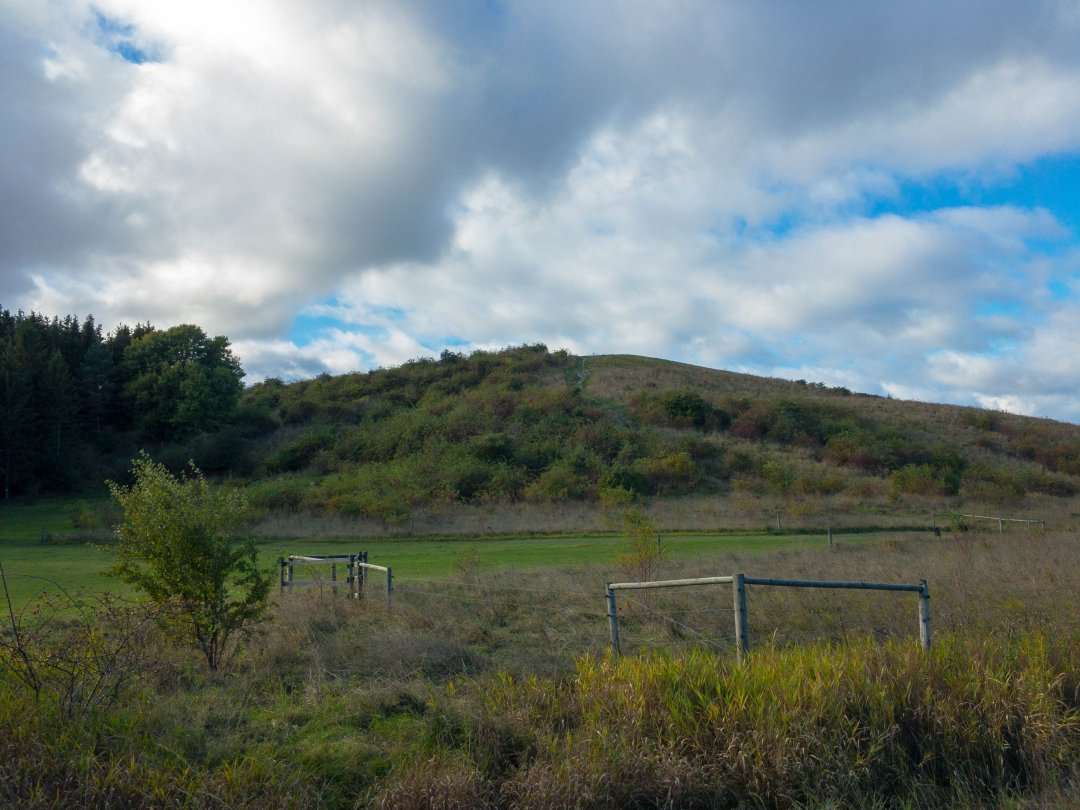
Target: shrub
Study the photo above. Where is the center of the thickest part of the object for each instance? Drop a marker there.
(980, 419)
(389, 507)
(681, 409)
(505, 483)
(560, 482)
(287, 493)
(615, 497)
(82, 664)
(297, 454)
(493, 447)
(178, 542)
(671, 474)
(625, 479)
(825, 484)
(913, 479)
(778, 475)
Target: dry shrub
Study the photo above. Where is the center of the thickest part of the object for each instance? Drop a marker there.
(81, 652)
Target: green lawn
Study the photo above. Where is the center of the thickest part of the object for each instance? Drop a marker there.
(31, 565)
(425, 559)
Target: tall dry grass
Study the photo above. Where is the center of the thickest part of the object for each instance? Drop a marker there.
(495, 689)
(837, 705)
(864, 503)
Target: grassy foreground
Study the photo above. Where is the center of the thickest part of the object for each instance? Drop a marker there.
(853, 725)
(498, 691)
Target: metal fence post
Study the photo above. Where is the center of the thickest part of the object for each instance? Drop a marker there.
(389, 585)
(924, 615)
(613, 621)
(742, 630)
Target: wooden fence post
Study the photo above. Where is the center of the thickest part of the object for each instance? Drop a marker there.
(281, 572)
(613, 621)
(389, 585)
(924, 615)
(742, 630)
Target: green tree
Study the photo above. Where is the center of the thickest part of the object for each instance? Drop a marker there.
(16, 426)
(180, 542)
(642, 551)
(60, 405)
(181, 382)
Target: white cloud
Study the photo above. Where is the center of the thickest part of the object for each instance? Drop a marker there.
(698, 181)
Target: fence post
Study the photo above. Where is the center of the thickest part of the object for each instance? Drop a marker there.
(281, 572)
(613, 621)
(333, 578)
(289, 563)
(742, 631)
(389, 585)
(924, 615)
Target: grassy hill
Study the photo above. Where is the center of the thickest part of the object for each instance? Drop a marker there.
(524, 437)
(487, 683)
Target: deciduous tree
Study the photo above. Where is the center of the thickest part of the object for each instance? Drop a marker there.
(181, 381)
(180, 541)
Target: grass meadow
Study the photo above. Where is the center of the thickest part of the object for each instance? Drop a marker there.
(39, 546)
(489, 682)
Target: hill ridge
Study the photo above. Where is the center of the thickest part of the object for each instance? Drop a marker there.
(526, 425)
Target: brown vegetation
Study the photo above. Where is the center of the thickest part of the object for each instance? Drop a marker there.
(494, 690)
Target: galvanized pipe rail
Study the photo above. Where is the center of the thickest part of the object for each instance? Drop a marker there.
(1001, 521)
(365, 566)
(738, 584)
(358, 566)
(352, 580)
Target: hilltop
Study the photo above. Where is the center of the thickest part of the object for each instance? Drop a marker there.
(465, 441)
(521, 439)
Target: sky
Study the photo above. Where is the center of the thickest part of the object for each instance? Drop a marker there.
(878, 195)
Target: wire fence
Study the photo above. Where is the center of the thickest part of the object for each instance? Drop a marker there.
(573, 617)
(565, 615)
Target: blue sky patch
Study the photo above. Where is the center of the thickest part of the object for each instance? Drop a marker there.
(1059, 290)
(119, 37)
(309, 328)
(1052, 183)
(994, 309)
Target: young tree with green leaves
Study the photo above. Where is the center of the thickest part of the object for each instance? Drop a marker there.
(180, 541)
(641, 550)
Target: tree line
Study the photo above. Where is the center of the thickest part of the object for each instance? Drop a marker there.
(72, 394)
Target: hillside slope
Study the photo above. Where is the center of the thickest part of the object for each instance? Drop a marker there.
(530, 429)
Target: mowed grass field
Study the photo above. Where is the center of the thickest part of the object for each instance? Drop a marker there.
(63, 559)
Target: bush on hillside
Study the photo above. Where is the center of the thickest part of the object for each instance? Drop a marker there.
(681, 409)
